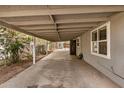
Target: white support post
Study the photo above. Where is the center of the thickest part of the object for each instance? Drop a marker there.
(34, 54)
(46, 47)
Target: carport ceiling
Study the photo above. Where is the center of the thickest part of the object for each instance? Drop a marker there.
(55, 23)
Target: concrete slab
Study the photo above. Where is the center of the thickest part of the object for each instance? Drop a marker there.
(59, 70)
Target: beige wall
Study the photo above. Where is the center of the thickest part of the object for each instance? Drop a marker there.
(78, 48)
(117, 51)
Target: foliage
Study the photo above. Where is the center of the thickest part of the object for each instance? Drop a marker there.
(40, 49)
(16, 46)
(13, 43)
(14, 49)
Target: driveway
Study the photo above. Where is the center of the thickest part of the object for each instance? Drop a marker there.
(59, 70)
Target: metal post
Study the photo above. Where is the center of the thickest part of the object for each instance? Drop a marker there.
(34, 54)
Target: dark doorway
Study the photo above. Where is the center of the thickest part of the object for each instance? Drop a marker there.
(72, 47)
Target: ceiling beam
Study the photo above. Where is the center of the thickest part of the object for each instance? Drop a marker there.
(13, 27)
(47, 35)
(48, 29)
(58, 11)
(69, 37)
(10, 26)
(41, 30)
(38, 27)
(73, 25)
(53, 20)
(76, 28)
(76, 25)
(72, 30)
(61, 21)
(59, 31)
(31, 22)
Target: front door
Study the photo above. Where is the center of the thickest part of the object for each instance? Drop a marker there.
(72, 47)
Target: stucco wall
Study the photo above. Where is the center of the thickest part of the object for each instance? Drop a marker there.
(78, 48)
(114, 67)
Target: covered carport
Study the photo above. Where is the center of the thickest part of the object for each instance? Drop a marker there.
(57, 23)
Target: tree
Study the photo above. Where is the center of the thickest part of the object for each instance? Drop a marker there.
(14, 49)
(13, 43)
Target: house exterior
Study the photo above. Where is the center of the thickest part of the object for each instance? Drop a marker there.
(95, 31)
(103, 48)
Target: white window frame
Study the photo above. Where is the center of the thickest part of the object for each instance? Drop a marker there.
(108, 56)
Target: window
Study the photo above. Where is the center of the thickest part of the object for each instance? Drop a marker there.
(94, 36)
(77, 42)
(100, 41)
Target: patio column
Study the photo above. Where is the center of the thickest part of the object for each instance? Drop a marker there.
(46, 47)
(33, 51)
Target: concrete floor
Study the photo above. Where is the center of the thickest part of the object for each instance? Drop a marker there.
(59, 69)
